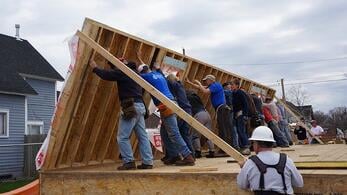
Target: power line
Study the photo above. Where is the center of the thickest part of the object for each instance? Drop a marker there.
(311, 82)
(292, 62)
(332, 77)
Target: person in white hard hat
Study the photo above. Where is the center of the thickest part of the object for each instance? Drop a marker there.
(268, 172)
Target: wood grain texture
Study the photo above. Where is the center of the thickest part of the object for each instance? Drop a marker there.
(149, 88)
(85, 125)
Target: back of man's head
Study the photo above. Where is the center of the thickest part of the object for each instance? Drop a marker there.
(236, 82)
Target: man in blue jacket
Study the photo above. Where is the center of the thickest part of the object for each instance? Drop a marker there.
(168, 117)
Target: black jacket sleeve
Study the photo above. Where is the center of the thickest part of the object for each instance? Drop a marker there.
(110, 75)
(245, 106)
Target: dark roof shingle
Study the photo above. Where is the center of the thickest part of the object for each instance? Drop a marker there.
(20, 57)
(12, 82)
(25, 58)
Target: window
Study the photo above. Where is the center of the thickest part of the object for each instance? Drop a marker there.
(4, 123)
(35, 127)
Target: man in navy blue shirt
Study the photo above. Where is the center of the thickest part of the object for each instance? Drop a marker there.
(180, 95)
(130, 95)
(216, 92)
(168, 117)
(240, 109)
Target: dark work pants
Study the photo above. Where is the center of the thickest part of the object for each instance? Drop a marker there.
(225, 126)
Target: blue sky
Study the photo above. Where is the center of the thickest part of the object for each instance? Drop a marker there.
(250, 38)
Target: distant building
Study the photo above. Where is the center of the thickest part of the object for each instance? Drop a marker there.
(27, 99)
(301, 111)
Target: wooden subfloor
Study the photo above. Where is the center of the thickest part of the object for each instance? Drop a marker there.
(208, 176)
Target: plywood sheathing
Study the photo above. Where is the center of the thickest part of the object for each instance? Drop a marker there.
(84, 128)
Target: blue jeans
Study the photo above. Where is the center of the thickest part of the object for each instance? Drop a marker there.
(235, 136)
(283, 125)
(186, 135)
(242, 133)
(280, 138)
(176, 143)
(124, 132)
(169, 148)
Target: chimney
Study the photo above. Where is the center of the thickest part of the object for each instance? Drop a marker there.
(17, 32)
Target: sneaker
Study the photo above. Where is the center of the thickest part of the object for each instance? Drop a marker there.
(171, 161)
(187, 161)
(210, 154)
(198, 154)
(246, 151)
(144, 166)
(127, 166)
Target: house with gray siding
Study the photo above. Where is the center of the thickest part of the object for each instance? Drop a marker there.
(27, 100)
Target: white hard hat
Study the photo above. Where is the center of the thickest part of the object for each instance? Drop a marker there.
(262, 133)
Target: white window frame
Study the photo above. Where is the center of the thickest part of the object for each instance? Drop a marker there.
(7, 112)
(38, 123)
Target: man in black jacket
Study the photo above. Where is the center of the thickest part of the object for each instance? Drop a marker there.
(130, 95)
(241, 113)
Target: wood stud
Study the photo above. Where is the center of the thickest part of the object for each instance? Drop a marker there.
(85, 125)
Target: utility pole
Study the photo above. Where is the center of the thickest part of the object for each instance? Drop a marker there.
(283, 93)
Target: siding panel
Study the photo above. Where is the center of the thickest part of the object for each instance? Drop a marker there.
(11, 158)
(41, 106)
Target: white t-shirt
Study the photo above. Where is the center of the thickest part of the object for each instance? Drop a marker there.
(318, 130)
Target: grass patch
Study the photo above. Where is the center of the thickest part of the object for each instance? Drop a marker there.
(11, 185)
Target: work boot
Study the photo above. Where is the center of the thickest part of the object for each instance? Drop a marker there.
(245, 151)
(210, 154)
(187, 161)
(164, 158)
(221, 152)
(198, 154)
(144, 166)
(127, 166)
(171, 161)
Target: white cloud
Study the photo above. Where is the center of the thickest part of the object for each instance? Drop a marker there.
(219, 32)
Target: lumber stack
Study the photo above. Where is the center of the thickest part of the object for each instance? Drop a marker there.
(85, 124)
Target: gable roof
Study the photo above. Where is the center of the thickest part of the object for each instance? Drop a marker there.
(12, 82)
(21, 55)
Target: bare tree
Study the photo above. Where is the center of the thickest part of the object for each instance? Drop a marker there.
(321, 118)
(298, 95)
(338, 118)
(335, 118)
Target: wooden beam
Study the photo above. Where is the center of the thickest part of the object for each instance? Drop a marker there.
(65, 108)
(171, 105)
(167, 50)
(198, 169)
(298, 119)
(111, 131)
(321, 165)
